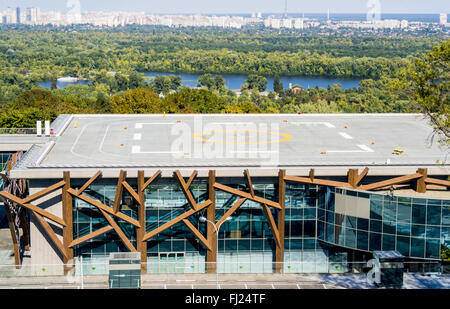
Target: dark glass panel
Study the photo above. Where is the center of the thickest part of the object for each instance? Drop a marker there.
(363, 224)
(350, 238)
(375, 226)
(375, 242)
(388, 242)
(417, 247)
(418, 230)
(309, 229)
(432, 248)
(403, 245)
(418, 214)
(362, 240)
(404, 213)
(433, 215)
(404, 229)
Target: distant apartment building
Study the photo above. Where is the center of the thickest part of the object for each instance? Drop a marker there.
(443, 19)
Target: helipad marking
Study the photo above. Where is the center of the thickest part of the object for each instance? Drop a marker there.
(345, 135)
(364, 149)
(141, 125)
(309, 123)
(137, 150)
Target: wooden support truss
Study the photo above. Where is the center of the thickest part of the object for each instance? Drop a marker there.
(112, 213)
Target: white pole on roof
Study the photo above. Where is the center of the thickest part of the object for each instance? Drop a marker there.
(47, 128)
(38, 128)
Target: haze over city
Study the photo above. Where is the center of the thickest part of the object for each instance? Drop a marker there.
(236, 6)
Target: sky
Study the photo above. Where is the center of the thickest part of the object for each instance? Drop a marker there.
(238, 6)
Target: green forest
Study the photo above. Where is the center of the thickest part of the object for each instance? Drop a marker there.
(114, 62)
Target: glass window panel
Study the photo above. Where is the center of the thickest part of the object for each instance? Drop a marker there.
(417, 247)
(320, 215)
(296, 244)
(389, 227)
(330, 233)
(330, 202)
(350, 238)
(418, 230)
(388, 242)
(404, 213)
(296, 228)
(244, 244)
(309, 244)
(375, 242)
(257, 244)
(330, 217)
(389, 211)
(403, 245)
(446, 215)
(432, 248)
(375, 226)
(418, 214)
(320, 230)
(363, 224)
(309, 229)
(309, 213)
(363, 240)
(404, 229)
(433, 231)
(434, 215)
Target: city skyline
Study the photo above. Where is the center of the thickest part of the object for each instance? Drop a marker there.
(237, 7)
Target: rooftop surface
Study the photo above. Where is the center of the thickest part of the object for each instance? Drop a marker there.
(395, 141)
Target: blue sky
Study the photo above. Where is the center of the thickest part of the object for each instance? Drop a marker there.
(238, 6)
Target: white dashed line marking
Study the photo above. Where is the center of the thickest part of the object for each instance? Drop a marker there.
(345, 135)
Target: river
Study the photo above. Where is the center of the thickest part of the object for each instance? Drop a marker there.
(234, 82)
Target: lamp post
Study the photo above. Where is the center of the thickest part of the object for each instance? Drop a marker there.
(203, 219)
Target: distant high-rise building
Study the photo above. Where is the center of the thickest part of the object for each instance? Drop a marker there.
(18, 15)
(443, 19)
(259, 15)
(33, 15)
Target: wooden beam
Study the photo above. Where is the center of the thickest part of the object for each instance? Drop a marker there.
(279, 251)
(185, 189)
(119, 231)
(312, 174)
(131, 191)
(44, 192)
(390, 182)
(440, 182)
(318, 181)
(85, 238)
(32, 207)
(272, 225)
(246, 195)
(67, 214)
(119, 191)
(191, 179)
(362, 175)
(26, 231)
(105, 208)
(232, 210)
(51, 234)
(141, 245)
(176, 220)
(89, 182)
(249, 183)
(12, 230)
(211, 255)
(197, 234)
(353, 177)
(421, 186)
(148, 182)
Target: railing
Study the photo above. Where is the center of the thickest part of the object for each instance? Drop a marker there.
(18, 131)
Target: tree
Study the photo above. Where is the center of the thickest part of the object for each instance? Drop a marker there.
(256, 82)
(136, 101)
(207, 81)
(277, 84)
(219, 82)
(428, 81)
